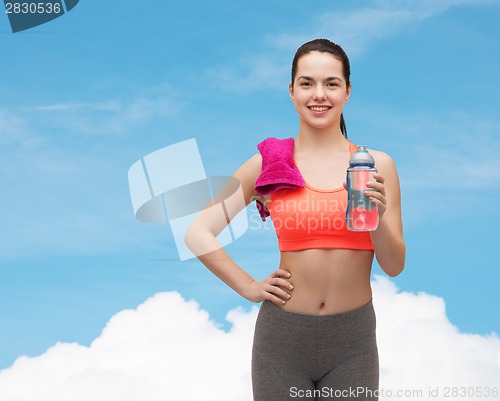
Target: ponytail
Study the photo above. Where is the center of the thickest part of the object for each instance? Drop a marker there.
(343, 128)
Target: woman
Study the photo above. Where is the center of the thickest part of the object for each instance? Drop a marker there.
(315, 333)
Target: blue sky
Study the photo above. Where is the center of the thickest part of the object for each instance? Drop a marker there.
(86, 95)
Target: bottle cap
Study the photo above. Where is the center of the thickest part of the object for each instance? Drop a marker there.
(361, 157)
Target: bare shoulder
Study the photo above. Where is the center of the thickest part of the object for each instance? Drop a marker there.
(251, 168)
(247, 174)
(383, 161)
(387, 168)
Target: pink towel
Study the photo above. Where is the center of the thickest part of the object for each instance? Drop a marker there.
(278, 169)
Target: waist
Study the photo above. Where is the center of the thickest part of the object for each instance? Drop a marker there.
(297, 317)
(327, 280)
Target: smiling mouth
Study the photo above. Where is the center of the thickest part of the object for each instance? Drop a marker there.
(319, 108)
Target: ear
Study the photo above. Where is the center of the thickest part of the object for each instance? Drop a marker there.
(290, 89)
(348, 93)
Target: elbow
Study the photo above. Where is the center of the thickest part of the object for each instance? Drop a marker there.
(188, 239)
(396, 264)
(395, 270)
(199, 241)
(191, 239)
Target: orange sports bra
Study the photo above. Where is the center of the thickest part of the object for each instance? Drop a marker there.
(307, 218)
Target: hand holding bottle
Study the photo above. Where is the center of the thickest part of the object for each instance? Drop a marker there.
(376, 194)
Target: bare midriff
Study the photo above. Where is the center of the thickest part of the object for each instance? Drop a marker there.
(327, 281)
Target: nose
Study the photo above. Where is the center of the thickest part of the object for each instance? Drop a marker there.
(319, 93)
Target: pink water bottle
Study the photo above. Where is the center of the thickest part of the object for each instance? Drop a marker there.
(361, 213)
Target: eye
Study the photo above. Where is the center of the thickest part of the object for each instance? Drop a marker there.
(333, 84)
(305, 84)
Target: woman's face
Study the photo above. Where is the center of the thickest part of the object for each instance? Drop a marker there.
(319, 90)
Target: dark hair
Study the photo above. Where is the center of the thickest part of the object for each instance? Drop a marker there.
(325, 46)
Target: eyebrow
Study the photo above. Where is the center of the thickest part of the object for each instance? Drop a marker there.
(307, 78)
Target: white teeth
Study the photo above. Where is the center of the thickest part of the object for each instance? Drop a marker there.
(317, 108)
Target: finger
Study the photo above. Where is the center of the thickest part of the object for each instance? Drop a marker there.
(275, 300)
(376, 195)
(378, 202)
(282, 273)
(376, 187)
(379, 178)
(277, 291)
(281, 282)
(374, 184)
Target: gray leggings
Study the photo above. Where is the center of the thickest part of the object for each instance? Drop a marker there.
(315, 357)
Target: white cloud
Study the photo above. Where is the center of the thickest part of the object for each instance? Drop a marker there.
(14, 129)
(262, 72)
(166, 349)
(355, 30)
(110, 117)
(169, 349)
(419, 347)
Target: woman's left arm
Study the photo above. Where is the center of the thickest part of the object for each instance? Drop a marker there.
(387, 239)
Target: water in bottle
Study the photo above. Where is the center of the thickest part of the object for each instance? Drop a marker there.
(361, 214)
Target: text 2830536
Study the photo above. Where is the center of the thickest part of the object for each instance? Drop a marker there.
(33, 8)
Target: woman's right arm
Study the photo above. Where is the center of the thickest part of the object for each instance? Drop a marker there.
(201, 239)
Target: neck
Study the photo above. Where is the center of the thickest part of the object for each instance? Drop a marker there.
(320, 139)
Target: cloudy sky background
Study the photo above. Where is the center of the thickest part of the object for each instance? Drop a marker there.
(85, 96)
